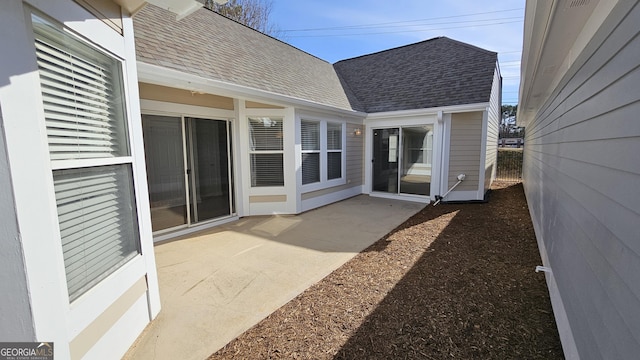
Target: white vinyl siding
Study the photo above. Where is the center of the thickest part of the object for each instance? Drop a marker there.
(266, 151)
(493, 124)
(581, 176)
(84, 105)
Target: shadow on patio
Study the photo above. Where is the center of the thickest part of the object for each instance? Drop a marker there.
(455, 281)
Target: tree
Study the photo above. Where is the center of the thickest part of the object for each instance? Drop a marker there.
(508, 126)
(253, 13)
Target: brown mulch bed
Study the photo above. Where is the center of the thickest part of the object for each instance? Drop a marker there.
(452, 282)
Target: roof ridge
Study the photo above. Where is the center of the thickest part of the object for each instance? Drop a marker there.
(473, 47)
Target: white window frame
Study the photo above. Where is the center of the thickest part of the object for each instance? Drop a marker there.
(250, 151)
(324, 182)
(312, 151)
(97, 162)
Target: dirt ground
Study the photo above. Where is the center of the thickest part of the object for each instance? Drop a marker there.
(452, 282)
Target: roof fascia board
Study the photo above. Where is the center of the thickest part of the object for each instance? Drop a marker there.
(169, 77)
(429, 111)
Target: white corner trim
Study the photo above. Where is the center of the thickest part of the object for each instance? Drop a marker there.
(483, 154)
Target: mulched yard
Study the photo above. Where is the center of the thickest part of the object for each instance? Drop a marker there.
(452, 282)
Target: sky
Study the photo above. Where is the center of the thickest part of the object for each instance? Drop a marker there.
(335, 30)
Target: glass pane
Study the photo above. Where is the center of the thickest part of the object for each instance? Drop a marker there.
(417, 152)
(265, 133)
(310, 135)
(334, 136)
(385, 160)
(165, 170)
(82, 90)
(209, 169)
(310, 168)
(98, 223)
(267, 170)
(334, 165)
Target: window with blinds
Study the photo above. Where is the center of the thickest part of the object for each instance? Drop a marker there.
(266, 153)
(310, 138)
(84, 106)
(321, 151)
(334, 151)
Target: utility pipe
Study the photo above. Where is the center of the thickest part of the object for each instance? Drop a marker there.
(461, 178)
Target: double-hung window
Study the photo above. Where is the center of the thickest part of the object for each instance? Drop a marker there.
(322, 151)
(310, 138)
(334, 151)
(266, 151)
(87, 131)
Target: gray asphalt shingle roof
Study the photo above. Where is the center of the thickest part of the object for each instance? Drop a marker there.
(209, 45)
(431, 73)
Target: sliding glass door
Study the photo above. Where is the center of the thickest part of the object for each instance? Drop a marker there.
(402, 160)
(188, 170)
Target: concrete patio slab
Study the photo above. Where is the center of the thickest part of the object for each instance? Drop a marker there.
(216, 284)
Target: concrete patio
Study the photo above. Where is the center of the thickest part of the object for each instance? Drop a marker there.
(216, 284)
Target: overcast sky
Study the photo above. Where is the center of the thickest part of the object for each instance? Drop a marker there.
(335, 30)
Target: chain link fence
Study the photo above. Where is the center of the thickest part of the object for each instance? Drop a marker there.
(509, 164)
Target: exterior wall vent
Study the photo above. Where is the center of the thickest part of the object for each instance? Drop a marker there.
(578, 3)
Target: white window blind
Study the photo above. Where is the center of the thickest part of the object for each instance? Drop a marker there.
(310, 138)
(266, 151)
(82, 90)
(334, 151)
(83, 98)
(97, 222)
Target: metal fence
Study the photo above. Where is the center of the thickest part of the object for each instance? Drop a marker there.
(509, 166)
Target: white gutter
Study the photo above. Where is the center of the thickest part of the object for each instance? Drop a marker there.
(159, 75)
(429, 111)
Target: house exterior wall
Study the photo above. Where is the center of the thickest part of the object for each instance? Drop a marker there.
(581, 176)
(36, 299)
(493, 126)
(465, 149)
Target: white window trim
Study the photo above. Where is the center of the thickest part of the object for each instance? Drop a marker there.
(324, 182)
(251, 152)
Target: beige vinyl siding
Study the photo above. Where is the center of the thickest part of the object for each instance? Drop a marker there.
(267, 199)
(186, 97)
(465, 148)
(581, 176)
(257, 105)
(106, 10)
(493, 125)
(355, 155)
